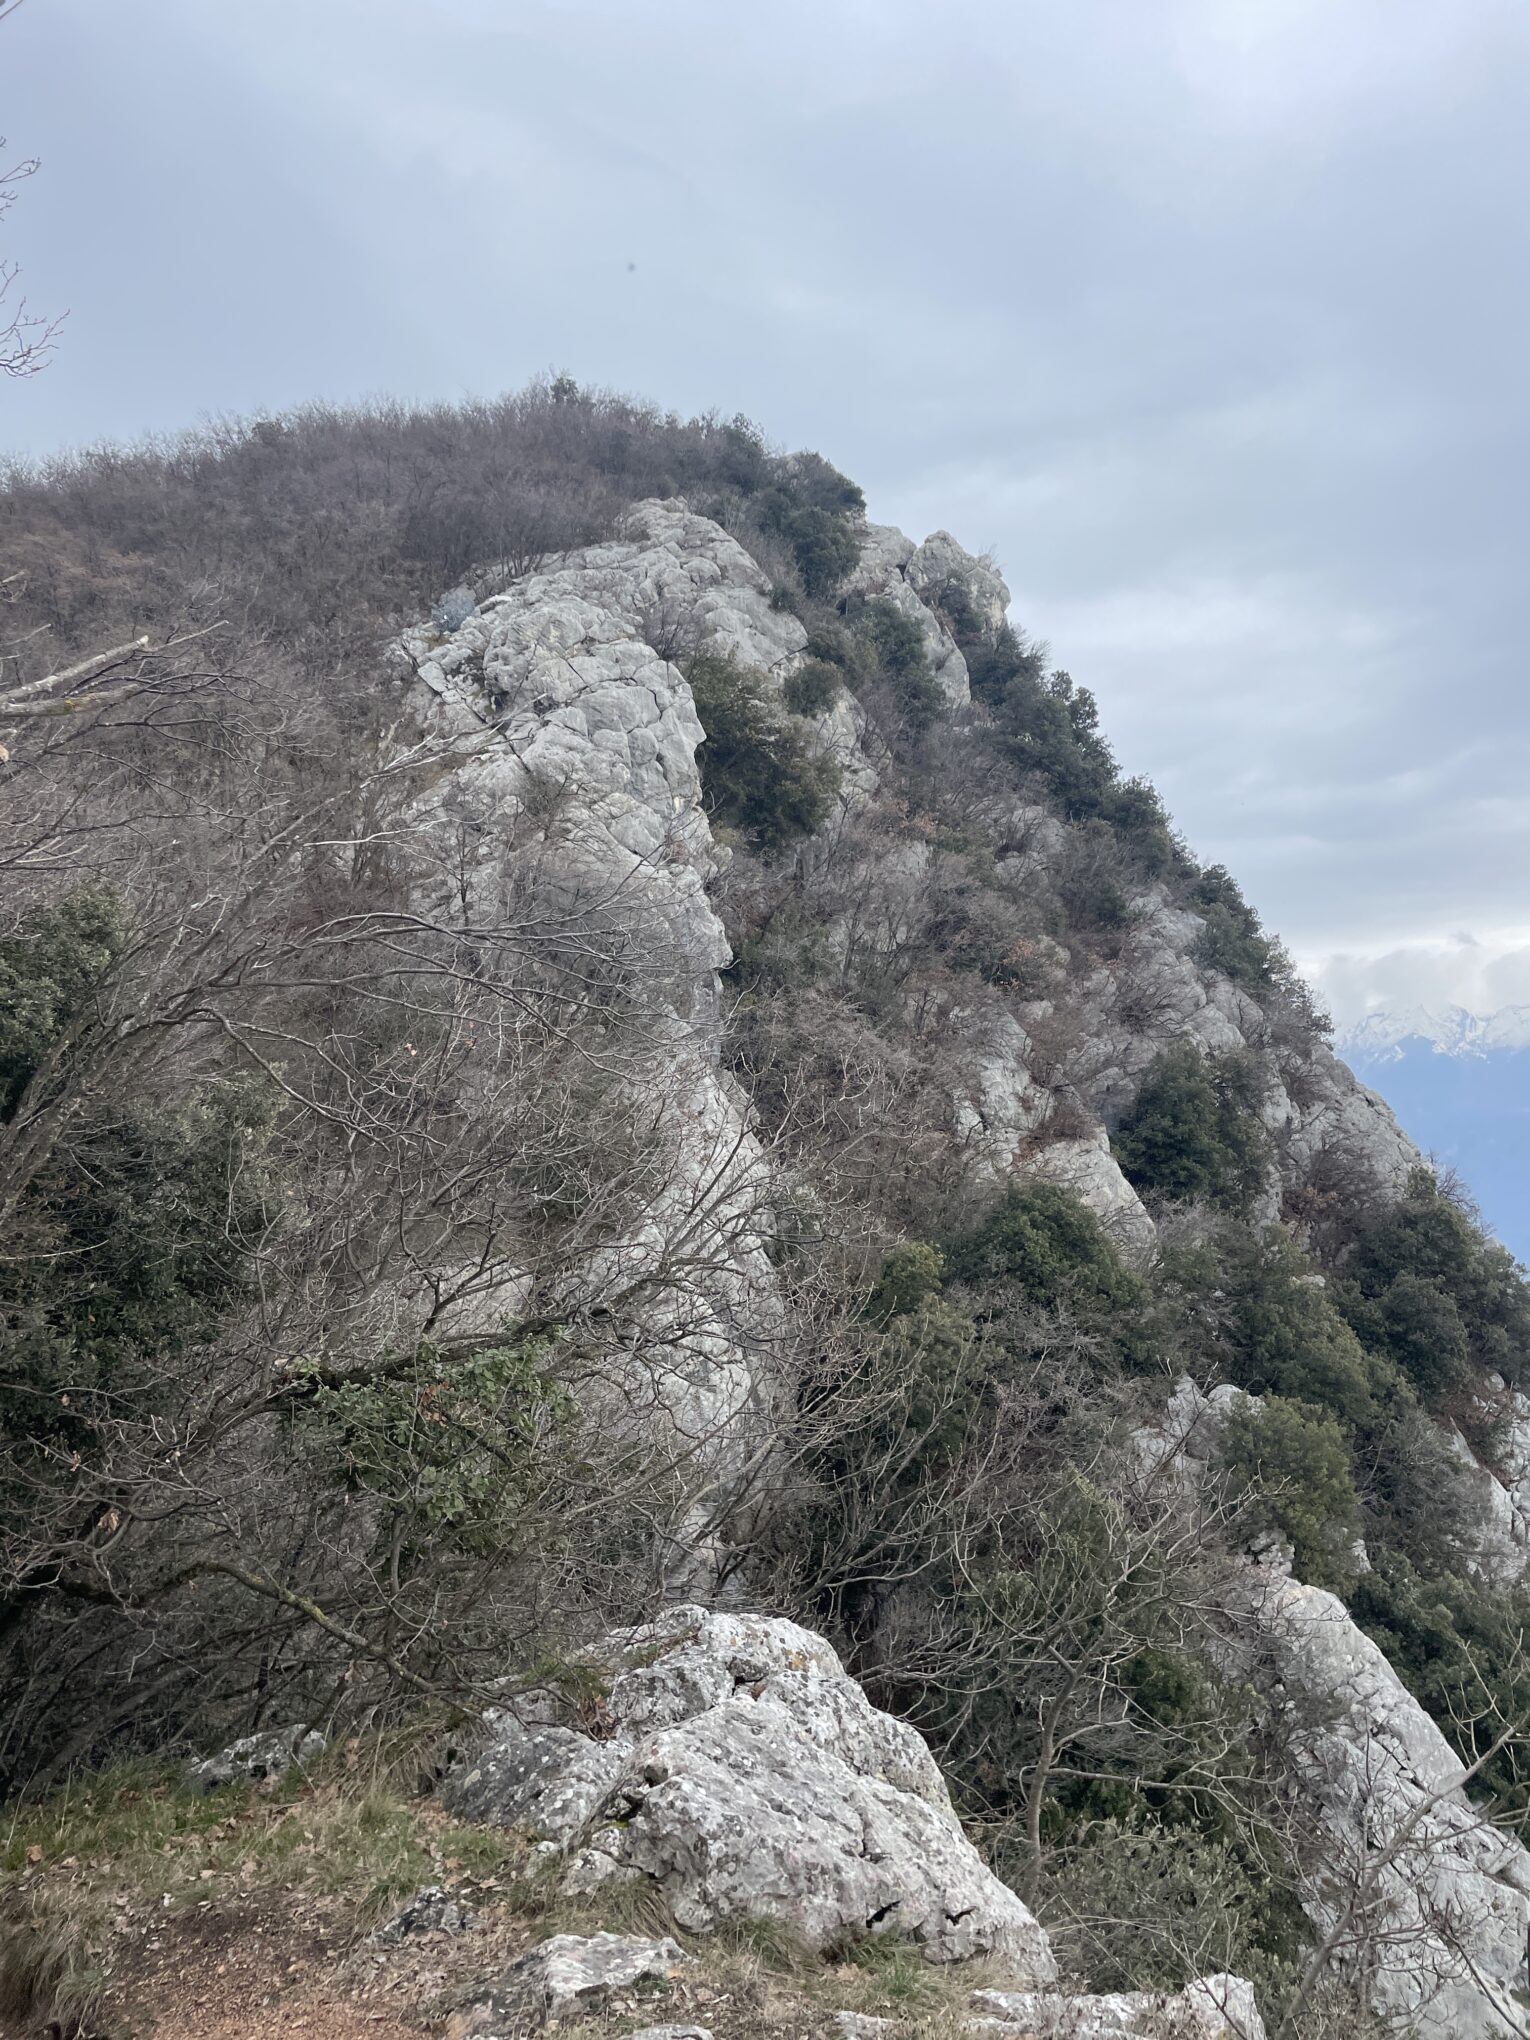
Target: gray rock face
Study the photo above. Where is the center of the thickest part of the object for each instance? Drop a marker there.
(1431, 1902)
(748, 1774)
(1435, 1899)
(565, 1978)
(1212, 2008)
(940, 561)
(1160, 991)
(1088, 1169)
(271, 1754)
(551, 700)
(887, 570)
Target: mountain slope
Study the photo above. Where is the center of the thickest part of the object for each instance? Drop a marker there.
(692, 1074)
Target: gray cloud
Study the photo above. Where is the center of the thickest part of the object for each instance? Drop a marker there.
(1210, 320)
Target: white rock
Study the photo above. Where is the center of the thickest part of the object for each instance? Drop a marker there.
(1218, 2007)
(997, 1103)
(1088, 1169)
(1450, 1892)
(563, 1978)
(748, 1774)
(549, 701)
(941, 560)
(883, 574)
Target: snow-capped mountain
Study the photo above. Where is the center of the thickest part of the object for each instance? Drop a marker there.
(1386, 1035)
(1460, 1083)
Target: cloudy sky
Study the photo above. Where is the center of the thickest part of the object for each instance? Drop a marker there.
(1210, 317)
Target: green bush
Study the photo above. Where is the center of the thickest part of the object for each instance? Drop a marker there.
(1012, 659)
(128, 1244)
(1041, 1248)
(825, 549)
(1268, 1324)
(810, 506)
(1289, 1464)
(886, 1427)
(1193, 1130)
(888, 648)
(131, 1235)
(758, 771)
(1423, 1287)
(1130, 1894)
(51, 967)
(1458, 1644)
(454, 1447)
(813, 689)
(1044, 724)
(814, 483)
(833, 644)
(909, 1274)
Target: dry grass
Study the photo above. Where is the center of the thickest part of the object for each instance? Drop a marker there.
(129, 1905)
(96, 1875)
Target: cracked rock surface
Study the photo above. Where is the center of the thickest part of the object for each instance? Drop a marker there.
(748, 1774)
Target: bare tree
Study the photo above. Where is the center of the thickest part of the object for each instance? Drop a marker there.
(27, 338)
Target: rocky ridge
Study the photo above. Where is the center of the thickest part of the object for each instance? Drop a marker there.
(556, 684)
(561, 684)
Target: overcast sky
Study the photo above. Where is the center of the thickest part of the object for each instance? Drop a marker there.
(1210, 317)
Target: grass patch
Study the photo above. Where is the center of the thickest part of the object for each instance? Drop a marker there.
(50, 1977)
(136, 1830)
(132, 1841)
(889, 1977)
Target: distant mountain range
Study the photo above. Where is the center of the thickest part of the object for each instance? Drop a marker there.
(1391, 1036)
(1460, 1084)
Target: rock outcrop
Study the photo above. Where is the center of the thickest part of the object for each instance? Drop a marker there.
(1428, 1899)
(1427, 1895)
(562, 692)
(550, 700)
(893, 569)
(745, 1774)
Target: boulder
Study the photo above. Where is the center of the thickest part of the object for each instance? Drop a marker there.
(749, 1775)
(269, 1755)
(565, 1978)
